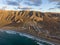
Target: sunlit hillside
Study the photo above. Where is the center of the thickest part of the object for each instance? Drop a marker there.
(37, 23)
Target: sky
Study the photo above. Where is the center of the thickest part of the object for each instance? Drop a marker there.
(36, 5)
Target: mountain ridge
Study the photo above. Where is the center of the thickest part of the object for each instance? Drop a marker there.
(44, 24)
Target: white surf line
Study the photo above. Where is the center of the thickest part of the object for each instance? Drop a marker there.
(34, 38)
(39, 43)
(26, 35)
(8, 31)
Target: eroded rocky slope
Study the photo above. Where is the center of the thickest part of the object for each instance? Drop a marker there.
(42, 24)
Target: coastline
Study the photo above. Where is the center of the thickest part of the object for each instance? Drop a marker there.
(29, 35)
(38, 24)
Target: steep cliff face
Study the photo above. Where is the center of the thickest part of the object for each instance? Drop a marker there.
(47, 24)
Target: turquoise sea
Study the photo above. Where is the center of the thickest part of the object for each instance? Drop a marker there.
(14, 38)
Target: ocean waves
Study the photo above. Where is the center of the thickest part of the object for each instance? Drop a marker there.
(37, 40)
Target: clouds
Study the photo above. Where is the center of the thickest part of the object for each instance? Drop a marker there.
(57, 4)
(24, 8)
(14, 3)
(23, 2)
(26, 2)
(54, 0)
(33, 2)
(57, 1)
(39, 5)
(51, 8)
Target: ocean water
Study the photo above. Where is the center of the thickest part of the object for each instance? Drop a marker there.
(16, 38)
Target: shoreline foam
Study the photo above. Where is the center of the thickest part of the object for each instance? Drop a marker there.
(28, 36)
